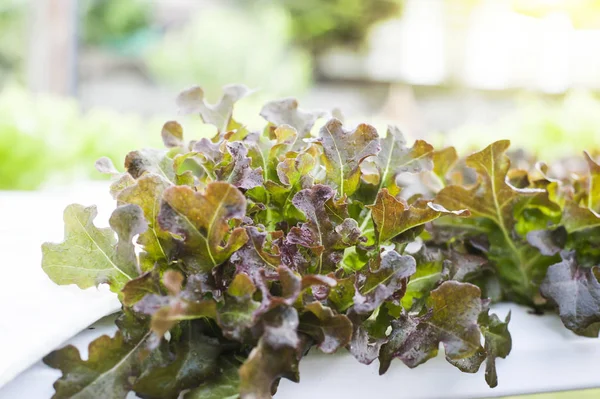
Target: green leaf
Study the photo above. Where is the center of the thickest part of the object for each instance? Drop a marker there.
(123, 181)
(498, 343)
(139, 287)
(196, 360)
(224, 385)
(344, 151)
(493, 200)
(236, 315)
(294, 175)
(394, 216)
(429, 272)
(147, 194)
(287, 140)
(108, 371)
(202, 220)
(341, 296)
(576, 218)
(87, 257)
(127, 221)
(172, 134)
(593, 194)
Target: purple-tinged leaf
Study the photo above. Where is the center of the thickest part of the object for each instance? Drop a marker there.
(253, 256)
(318, 233)
(576, 292)
(202, 220)
(376, 286)
(329, 330)
(344, 151)
(286, 112)
(191, 101)
(167, 311)
(396, 157)
(172, 134)
(498, 343)
(238, 171)
(548, 242)
(105, 165)
(452, 320)
(276, 355)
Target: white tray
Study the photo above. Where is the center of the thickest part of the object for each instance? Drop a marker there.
(545, 357)
(38, 315)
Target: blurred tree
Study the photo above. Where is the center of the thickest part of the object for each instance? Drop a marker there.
(13, 38)
(110, 21)
(225, 44)
(320, 24)
(103, 22)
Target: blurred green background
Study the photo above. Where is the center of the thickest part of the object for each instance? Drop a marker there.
(90, 78)
(81, 79)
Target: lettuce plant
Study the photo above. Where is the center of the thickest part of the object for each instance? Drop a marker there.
(234, 257)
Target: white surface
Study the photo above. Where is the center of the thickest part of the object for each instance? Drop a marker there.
(545, 357)
(38, 315)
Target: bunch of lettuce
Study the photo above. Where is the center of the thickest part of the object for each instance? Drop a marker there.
(234, 257)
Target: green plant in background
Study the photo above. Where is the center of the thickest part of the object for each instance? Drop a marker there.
(549, 130)
(12, 38)
(320, 24)
(104, 22)
(46, 138)
(113, 22)
(220, 44)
